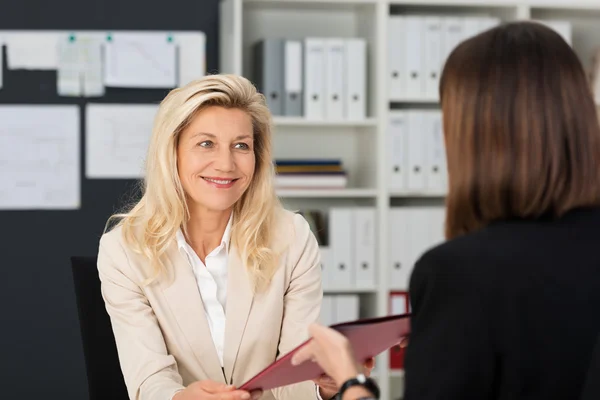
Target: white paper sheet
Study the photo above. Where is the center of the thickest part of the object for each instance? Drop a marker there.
(90, 53)
(140, 60)
(117, 138)
(39, 157)
(192, 56)
(32, 50)
(68, 75)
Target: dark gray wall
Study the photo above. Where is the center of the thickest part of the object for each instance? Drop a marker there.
(40, 345)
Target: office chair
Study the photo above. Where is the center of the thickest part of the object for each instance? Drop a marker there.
(105, 379)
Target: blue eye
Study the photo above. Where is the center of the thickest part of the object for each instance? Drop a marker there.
(242, 146)
(206, 143)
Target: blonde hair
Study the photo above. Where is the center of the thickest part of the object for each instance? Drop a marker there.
(149, 227)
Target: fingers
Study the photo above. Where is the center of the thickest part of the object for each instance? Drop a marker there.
(404, 343)
(304, 354)
(214, 387)
(235, 395)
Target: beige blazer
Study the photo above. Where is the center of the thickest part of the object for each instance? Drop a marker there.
(162, 334)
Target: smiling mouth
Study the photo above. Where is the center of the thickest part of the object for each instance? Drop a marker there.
(219, 181)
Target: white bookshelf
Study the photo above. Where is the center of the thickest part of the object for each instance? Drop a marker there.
(362, 144)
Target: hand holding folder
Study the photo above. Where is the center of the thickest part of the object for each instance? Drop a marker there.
(368, 338)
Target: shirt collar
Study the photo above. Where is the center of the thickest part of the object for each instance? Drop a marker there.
(182, 243)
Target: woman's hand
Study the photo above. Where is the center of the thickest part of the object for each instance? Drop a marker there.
(329, 388)
(332, 351)
(210, 390)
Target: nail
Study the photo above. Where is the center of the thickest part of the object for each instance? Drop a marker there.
(245, 396)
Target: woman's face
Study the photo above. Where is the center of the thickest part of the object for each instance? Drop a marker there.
(215, 158)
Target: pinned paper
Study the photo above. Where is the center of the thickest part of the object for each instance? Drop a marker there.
(32, 50)
(117, 138)
(39, 157)
(80, 66)
(135, 60)
(192, 56)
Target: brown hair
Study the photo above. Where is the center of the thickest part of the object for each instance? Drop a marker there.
(521, 129)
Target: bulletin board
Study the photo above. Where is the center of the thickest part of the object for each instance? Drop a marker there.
(42, 353)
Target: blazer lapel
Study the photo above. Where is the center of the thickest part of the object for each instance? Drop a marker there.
(239, 302)
(181, 292)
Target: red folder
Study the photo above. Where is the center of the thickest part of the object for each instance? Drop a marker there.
(368, 338)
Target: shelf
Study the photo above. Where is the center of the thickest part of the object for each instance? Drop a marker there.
(318, 5)
(580, 5)
(327, 193)
(433, 195)
(416, 100)
(457, 3)
(299, 121)
(348, 290)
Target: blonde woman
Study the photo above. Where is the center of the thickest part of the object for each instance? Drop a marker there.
(207, 279)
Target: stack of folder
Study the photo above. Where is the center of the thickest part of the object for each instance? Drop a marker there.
(310, 174)
(314, 78)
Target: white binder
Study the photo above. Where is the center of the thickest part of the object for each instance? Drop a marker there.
(435, 171)
(364, 246)
(327, 271)
(356, 79)
(314, 78)
(396, 51)
(416, 182)
(413, 56)
(292, 78)
(335, 50)
(398, 248)
(452, 33)
(397, 133)
(341, 238)
(433, 56)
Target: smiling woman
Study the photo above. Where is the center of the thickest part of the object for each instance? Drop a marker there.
(207, 264)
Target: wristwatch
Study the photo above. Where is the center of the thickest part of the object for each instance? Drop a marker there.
(360, 380)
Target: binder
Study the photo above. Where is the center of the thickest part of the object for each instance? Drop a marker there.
(364, 246)
(341, 235)
(396, 51)
(292, 103)
(268, 72)
(416, 151)
(368, 338)
(314, 81)
(356, 79)
(436, 169)
(433, 53)
(327, 270)
(335, 79)
(397, 133)
(398, 248)
(452, 34)
(413, 56)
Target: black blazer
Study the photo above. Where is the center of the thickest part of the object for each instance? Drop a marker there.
(509, 312)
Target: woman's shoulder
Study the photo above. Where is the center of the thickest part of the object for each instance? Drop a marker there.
(112, 239)
(291, 229)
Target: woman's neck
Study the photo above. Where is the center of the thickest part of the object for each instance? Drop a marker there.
(205, 231)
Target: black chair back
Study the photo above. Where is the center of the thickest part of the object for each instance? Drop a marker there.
(105, 379)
